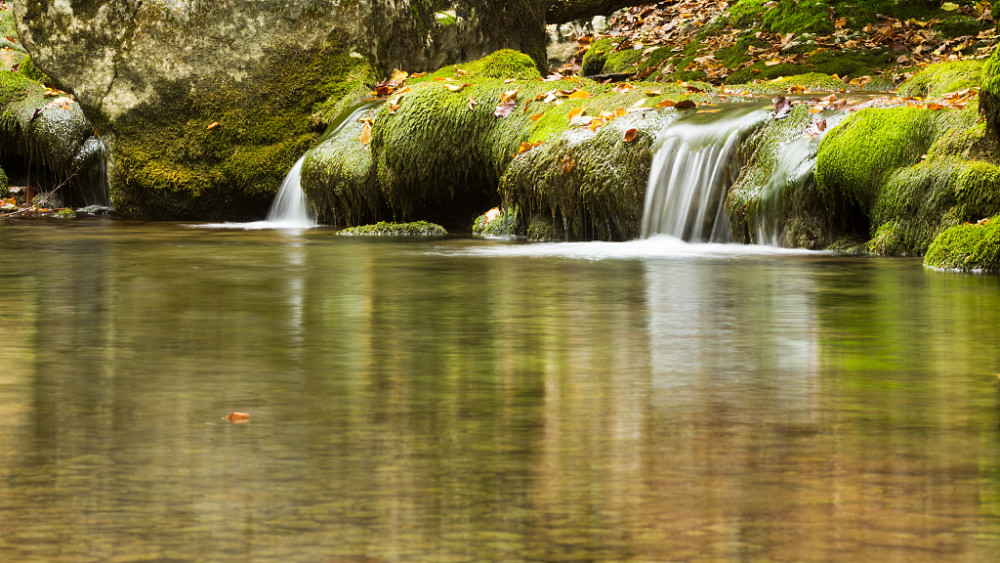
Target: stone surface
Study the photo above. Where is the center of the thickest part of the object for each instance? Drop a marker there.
(154, 76)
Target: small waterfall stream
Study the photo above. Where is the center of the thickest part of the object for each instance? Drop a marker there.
(290, 209)
(694, 164)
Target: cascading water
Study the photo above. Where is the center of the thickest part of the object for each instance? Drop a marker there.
(290, 209)
(694, 163)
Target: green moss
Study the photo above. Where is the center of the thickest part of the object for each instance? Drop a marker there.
(943, 78)
(4, 184)
(384, 229)
(441, 157)
(843, 63)
(65, 214)
(967, 247)
(8, 24)
(856, 158)
(812, 82)
(222, 154)
(813, 16)
(504, 225)
(504, 64)
(989, 95)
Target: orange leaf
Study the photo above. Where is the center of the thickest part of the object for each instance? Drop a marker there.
(568, 164)
(574, 112)
(472, 102)
(525, 147)
(442, 79)
(537, 116)
(623, 87)
(579, 94)
(238, 417)
(653, 92)
(509, 96)
(460, 72)
(666, 104)
(630, 135)
(510, 81)
(366, 132)
(456, 87)
(418, 74)
(213, 125)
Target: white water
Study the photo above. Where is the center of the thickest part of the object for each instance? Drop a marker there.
(694, 164)
(290, 209)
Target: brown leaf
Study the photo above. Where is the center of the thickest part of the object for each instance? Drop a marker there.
(782, 107)
(505, 108)
(686, 104)
(630, 135)
(623, 87)
(472, 102)
(537, 116)
(366, 132)
(213, 125)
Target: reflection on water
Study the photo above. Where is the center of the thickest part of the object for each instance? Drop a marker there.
(468, 400)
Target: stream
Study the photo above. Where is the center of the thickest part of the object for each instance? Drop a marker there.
(460, 399)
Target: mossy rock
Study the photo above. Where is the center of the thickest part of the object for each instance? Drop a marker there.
(386, 229)
(504, 225)
(4, 184)
(445, 156)
(810, 82)
(604, 57)
(989, 95)
(843, 63)
(939, 79)
(969, 247)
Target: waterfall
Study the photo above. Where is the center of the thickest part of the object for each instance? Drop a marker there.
(290, 209)
(694, 163)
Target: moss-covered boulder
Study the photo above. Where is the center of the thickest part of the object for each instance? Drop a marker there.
(445, 155)
(386, 229)
(939, 79)
(989, 96)
(969, 247)
(206, 105)
(609, 56)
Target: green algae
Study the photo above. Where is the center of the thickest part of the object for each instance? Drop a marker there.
(967, 247)
(387, 229)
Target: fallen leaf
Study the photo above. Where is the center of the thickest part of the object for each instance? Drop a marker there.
(509, 96)
(537, 116)
(574, 112)
(568, 164)
(782, 107)
(491, 215)
(510, 81)
(472, 102)
(505, 108)
(456, 87)
(366, 131)
(686, 104)
(630, 135)
(666, 104)
(623, 87)
(399, 76)
(949, 6)
(579, 94)
(213, 125)
(418, 75)
(460, 72)
(238, 417)
(442, 79)
(525, 147)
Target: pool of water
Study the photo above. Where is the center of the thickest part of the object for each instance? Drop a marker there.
(474, 400)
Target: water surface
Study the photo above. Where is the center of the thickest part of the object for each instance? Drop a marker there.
(469, 400)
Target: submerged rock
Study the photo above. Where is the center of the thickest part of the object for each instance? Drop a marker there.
(205, 105)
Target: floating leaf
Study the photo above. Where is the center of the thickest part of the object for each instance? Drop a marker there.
(238, 417)
(630, 135)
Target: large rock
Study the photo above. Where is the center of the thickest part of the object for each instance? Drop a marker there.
(205, 105)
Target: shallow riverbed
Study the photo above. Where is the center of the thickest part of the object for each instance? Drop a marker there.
(474, 400)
